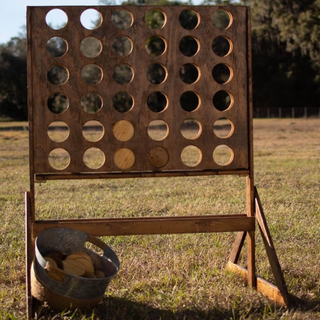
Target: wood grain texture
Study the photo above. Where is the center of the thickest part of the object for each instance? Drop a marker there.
(152, 225)
(262, 285)
(270, 249)
(116, 137)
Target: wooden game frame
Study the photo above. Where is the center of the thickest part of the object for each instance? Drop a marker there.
(139, 155)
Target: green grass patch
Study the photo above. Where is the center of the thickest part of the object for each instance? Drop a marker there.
(180, 276)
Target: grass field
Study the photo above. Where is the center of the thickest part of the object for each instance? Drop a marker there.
(181, 276)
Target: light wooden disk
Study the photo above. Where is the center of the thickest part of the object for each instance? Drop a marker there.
(51, 263)
(73, 267)
(124, 158)
(82, 258)
(78, 255)
(123, 130)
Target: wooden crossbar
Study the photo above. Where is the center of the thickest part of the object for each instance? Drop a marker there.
(152, 225)
(150, 174)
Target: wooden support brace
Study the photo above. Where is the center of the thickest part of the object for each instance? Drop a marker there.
(271, 252)
(278, 292)
(29, 254)
(238, 244)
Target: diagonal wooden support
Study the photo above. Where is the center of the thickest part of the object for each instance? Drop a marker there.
(271, 252)
(278, 292)
(237, 246)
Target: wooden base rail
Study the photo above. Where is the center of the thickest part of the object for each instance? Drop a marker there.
(152, 225)
(41, 177)
(265, 287)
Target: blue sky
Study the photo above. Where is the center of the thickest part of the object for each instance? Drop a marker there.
(13, 13)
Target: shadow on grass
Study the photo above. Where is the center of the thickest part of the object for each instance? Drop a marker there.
(123, 309)
(305, 304)
(116, 308)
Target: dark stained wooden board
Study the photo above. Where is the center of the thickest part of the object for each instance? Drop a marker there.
(144, 149)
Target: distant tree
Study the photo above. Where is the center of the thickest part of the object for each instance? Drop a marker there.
(286, 52)
(146, 2)
(13, 79)
(295, 24)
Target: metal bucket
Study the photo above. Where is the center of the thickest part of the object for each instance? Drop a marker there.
(70, 291)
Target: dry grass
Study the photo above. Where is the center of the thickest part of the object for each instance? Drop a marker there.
(181, 276)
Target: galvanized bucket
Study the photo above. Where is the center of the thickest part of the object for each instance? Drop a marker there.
(70, 291)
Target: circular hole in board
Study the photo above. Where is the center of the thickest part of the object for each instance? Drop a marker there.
(223, 155)
(222, 73)
(157, 101)
(155, 46)
(223, 128)
(122, 19)
(189, 101)
(93, 130)
(158, 130)
(91, 19)
(189, 73)
(123, 130)
(191, 156)
(56, 19)
(155, 19)
(90, 47)
(94, 158)
(58, 131)
(122, 74)
(91, 102)
(121, 46)
(221, 19)
(58, 75)
(222, 46)
(189, 19)
(156, 73)
(57, 47)
(189, 46)
(191, 129)
(58, 103)
(158, 157)
(59, 159)
(91, 74)
(124, 158)
(122, 101)
(222, 100)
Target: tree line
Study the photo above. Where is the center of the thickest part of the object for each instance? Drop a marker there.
(285, 56)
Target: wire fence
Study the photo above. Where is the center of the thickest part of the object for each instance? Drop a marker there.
(287, 112)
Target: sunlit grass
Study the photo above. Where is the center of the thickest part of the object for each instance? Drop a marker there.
(180, 276)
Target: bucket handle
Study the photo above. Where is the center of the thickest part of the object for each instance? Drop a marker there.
(106, 250)
(96, 241)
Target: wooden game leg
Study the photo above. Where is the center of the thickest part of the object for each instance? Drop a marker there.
(277, 293)
(271, 252)
(29, 255)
